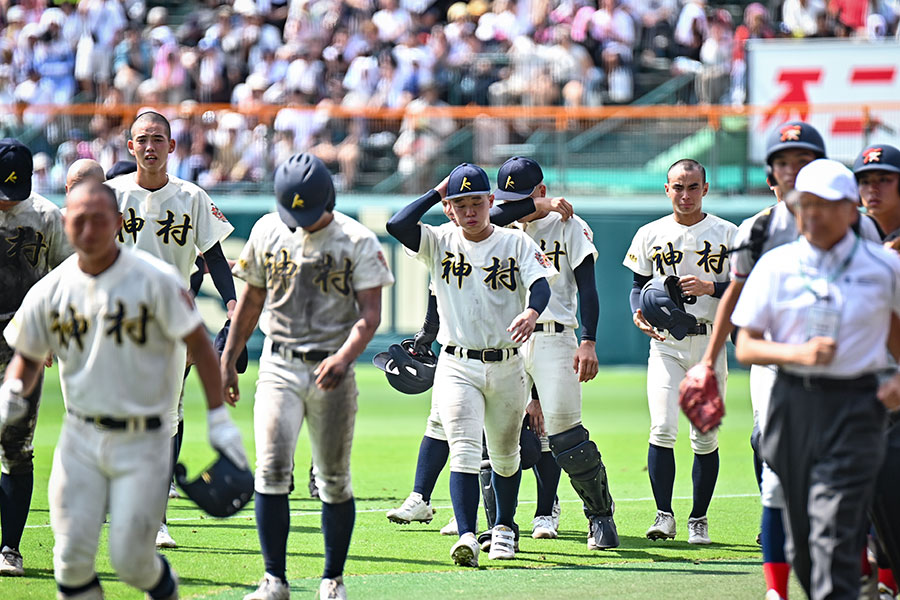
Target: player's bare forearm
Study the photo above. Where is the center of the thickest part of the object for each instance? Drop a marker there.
(207, 364)
(523, 325)
(753, 349)
(722, 326)
(25, 370)
(243, 322)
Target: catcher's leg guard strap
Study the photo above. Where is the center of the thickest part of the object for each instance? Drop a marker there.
(578, 456)
(487, 493)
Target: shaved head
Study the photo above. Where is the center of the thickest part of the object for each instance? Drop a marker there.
(152, 117)
(84, 169)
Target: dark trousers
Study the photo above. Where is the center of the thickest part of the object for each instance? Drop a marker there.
(884, 511)
(825, 441)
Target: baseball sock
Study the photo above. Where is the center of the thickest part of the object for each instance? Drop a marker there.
(74, 591)
(464, 497)
(547, 474)
(661, 465)
(15, 500)
(166, 585)
(704, 475)
(273, 518)
(506, 490)
(337, 527)
(432, 458)
(775, 566)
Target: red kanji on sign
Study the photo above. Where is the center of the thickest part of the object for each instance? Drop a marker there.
(858, 76)
(796, 81)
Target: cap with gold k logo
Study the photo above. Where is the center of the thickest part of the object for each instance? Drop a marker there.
(517, 179)
(15, 170)
(467, 180)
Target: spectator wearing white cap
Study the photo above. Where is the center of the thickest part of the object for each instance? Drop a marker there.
(820, 308)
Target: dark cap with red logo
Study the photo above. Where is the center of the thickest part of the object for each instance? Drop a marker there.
(794, 135)
(877, 157)
(15, 170)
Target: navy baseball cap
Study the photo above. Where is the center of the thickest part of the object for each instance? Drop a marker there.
(877, 157)
(219, 345)
(121, 168)
(467, 180)
(517, 179)
(16, 165)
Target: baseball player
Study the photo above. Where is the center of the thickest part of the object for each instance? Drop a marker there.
(320, 276)
(480, 276)
(112, 316)
(82, 170)
(693, 245)
(173, 220)
(554, 362)
(790, 147)
(32, 242)
(820, 309)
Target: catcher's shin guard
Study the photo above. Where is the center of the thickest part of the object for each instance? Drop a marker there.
(487, 493)
(578, 456)
(884, 512)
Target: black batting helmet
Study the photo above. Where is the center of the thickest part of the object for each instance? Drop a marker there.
(221, 490)
(877, 157)
(662, 304)
(407, 371)
(304, 190)
(16, 165)
(794, 134)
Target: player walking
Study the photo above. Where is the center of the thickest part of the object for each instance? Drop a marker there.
(693, 245)
(320, 276)
(113, 317)
(480, 275)
(171, 219)
(32, 242)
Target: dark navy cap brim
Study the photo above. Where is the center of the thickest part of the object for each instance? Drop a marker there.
(504, 196)
(468, 193)
(295, 219)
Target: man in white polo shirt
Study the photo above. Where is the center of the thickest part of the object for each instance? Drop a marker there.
(820, 309)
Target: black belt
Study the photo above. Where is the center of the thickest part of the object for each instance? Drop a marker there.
(127, 424)
(488, 355)
(863, 382)
(312, 355)
(698, 329)
(556, 327)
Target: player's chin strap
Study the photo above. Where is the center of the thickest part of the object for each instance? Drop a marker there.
(578, 456)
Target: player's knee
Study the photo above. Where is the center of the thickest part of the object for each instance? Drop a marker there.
(465, 456)
(665, 437)
(138, 567)
(505, 465)
(435, 431)
(705, 443)
(269, 480)
(334, 489)
(74, 572)
(558, 423)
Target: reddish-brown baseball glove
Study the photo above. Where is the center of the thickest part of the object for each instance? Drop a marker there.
(699, 398)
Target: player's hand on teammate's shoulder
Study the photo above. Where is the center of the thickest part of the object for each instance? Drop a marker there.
(694, 286)
(522, 326)
(817, 351)
(586, 364)
(330, 372)
(641, 323)
(535, 417)
(557, 204)
(225, 436)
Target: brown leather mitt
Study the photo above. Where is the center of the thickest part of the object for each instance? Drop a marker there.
(699, 398)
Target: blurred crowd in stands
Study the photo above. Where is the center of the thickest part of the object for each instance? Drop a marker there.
(376, 53)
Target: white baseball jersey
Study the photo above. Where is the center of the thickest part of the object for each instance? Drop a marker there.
(566, 244)
(311, 278)
(480, 286)
(115, 333)
(665, 247)
(171, 223)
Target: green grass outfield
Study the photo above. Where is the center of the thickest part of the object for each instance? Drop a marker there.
(220, 559)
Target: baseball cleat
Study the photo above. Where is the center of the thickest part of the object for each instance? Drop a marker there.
(11, 562)
(414, 508)
(450, 528)
(555, 512)
(602, 533)
(484, 538)
(332, 589)
(465, 551)
(542, 528)
(698, 531)
(503, 543)
(663, 527)
(271, 588)
(173, 491)
(163, 539)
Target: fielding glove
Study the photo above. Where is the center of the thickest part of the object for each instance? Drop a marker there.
(699, 398)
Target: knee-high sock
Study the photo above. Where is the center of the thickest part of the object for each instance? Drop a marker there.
(704, 475)
(776, 569)
(432, 458)
(165, 587)
(15, 500)
(506, 490)
(273, 519)
(337, 528)
(547, 473)
(464, 497)
(661, 466)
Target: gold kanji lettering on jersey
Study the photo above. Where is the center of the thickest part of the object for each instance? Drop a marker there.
(27, 243)
(501, 274)
(452, 268)
(555, 253)
(279, 265)
(331, 276)
(712, 263)
(178, 233)
(69, 326)
(134, 328)
(131, 225)
(666, 257)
